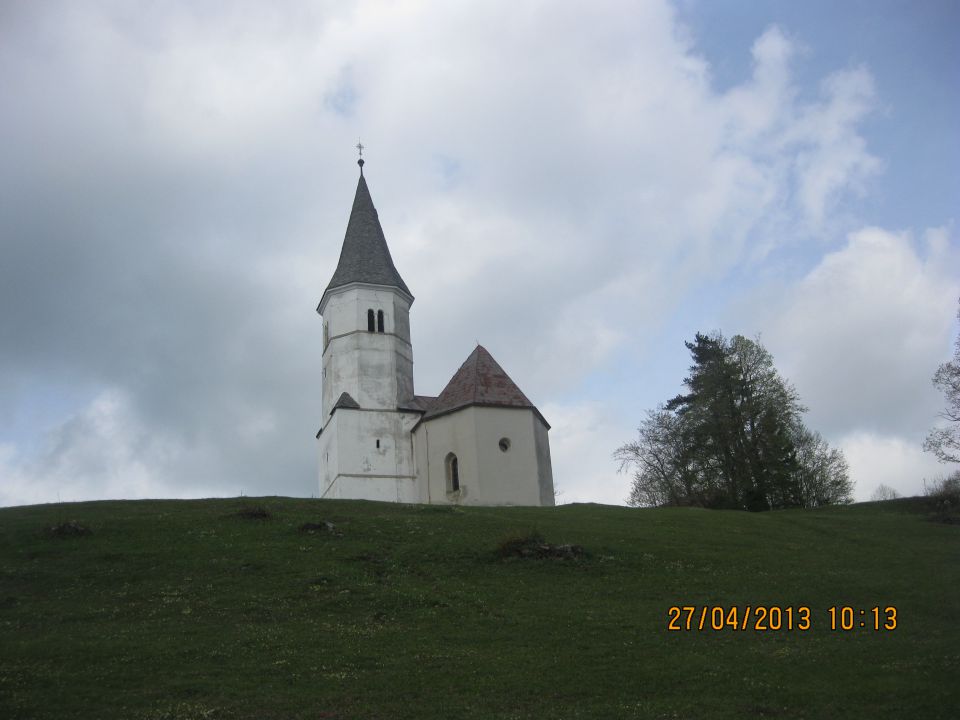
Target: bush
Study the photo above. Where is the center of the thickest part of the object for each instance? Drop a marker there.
(943, 497)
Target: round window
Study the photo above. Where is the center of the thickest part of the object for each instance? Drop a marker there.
(504, 444)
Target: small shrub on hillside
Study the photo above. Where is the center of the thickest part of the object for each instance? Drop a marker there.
(253, 512)
(943, 497)
(68, 528)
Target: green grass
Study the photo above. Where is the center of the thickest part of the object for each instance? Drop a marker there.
(185, 609)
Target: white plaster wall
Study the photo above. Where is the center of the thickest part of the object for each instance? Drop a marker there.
(328, 459)
(436, 438)
(488, 476)
(375, 368)
(346, 309)
(353, 466)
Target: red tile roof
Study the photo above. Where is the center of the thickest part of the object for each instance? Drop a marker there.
(480, 381)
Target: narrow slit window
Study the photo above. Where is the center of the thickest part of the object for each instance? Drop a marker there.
(370, 326)
(379, 320)
(378, 444)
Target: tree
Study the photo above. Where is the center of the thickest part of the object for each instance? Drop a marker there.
(663, 458)
(822, 475)
(734, 440)
(884, 492)
(944, 442)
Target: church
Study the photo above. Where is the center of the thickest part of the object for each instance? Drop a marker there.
(479, 442)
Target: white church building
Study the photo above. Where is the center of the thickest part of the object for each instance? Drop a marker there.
(479, 442)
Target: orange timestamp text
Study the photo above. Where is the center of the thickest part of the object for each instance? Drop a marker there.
(777, 618)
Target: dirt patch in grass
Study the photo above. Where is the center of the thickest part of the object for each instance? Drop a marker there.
(253, 512)
(532, 545)
(321, 528)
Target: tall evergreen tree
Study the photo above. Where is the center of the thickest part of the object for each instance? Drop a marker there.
(734, 440)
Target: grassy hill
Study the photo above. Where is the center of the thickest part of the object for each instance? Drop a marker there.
(201, 609)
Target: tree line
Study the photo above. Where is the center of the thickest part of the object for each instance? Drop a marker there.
(736, 439)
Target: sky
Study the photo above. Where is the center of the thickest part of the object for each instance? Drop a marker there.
(578, 187)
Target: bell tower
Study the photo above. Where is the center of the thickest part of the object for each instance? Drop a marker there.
(365, 446)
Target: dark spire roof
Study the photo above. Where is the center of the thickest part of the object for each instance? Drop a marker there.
(480, 381)
(365, 257)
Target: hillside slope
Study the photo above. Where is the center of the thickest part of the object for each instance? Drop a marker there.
(193, 609)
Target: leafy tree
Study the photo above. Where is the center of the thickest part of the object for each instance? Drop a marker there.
(734, 440)
(663, 456)
(821, 476)
(944, 442)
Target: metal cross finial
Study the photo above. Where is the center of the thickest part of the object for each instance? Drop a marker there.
(360, 161)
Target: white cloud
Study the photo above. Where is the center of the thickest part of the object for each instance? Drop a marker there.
(833, 158)
(553, 182)
(803, 157)
(876, 459)
(861, 334)
(762, 106)
(582, 439)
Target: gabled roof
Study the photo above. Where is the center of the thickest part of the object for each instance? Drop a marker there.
(365, 257)
(345, 401)
(480, 381)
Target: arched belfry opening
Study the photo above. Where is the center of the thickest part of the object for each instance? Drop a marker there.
(453, 473)
(370, 321)
(380, 321)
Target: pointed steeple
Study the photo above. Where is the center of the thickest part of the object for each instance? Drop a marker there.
(480, 381)
(365, 257)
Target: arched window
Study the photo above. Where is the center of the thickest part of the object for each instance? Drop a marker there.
(370, 325)
(379, 320)
(453, 473)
